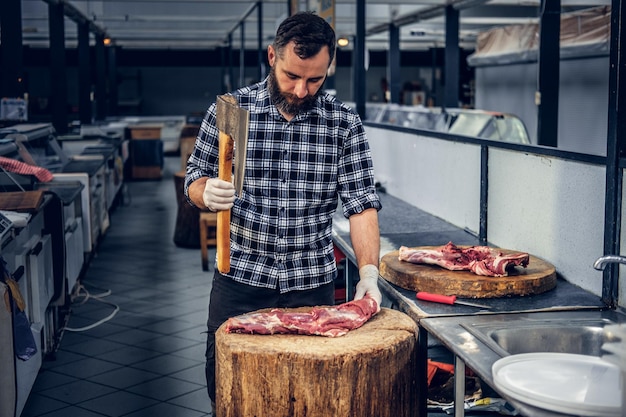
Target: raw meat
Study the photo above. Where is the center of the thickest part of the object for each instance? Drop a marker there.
(481, 260)
(331, 321)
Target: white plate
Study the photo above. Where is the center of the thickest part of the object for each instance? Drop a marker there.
(567, 383)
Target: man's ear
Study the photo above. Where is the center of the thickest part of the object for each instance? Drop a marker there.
(271, 55)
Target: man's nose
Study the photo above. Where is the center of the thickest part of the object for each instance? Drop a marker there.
(301, 90)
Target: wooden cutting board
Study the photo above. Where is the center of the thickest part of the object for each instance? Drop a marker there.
(23, 201)
(539, 276)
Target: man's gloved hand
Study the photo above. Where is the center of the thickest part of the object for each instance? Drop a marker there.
(218, 194)
(368, 284)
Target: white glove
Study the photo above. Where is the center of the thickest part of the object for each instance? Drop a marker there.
(368, 284)
(218, 194)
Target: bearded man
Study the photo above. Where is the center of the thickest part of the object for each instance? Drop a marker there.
(306, 150)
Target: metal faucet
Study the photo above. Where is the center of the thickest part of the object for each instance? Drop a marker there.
(602, 261)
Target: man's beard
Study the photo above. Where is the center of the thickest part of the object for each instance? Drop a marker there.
(289, 103)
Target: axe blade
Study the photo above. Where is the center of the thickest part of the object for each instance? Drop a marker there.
(234, 121)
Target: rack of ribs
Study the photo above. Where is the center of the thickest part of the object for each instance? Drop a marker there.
(481, 260)
(330, 321)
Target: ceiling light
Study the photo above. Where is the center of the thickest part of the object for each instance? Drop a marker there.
(343, 42)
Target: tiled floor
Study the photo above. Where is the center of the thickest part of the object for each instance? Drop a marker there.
(148, 360)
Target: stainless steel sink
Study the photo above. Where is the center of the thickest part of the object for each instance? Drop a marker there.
(566, 332)
(584, 339)
(480, 340)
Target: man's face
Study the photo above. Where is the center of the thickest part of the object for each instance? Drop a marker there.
(295, 83)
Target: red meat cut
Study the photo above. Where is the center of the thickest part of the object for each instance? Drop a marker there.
(481, 260)
(330, 321)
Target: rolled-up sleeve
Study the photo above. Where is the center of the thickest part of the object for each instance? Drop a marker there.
(357, 188)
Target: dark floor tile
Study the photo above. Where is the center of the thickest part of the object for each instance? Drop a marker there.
(167, 344)
(136, 320)
(90, 307)
(189, 288)
(95, 347)
(165, 409)
(124, 377)
(195, 352)
(38, 405)
(164, 388)
(62, 357)
(193, 299)
(195, 302)
(48, 379)
(132, 337)
(140, 306)
(118, 403)
(72, 411)
(166, 364)
(86, 368)
(111, 273)
(77, 323)
(69, 338)
(198, 317)
(128, 355)
(141, 293)
(179, 311)
(102, 330)
(197, 333)
(196, 400)
(195, 374)
(77, 391)
(169, 326)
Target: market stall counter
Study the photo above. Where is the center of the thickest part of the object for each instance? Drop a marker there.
(402, 224)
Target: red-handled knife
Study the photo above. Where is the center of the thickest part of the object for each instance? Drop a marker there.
(445, 299)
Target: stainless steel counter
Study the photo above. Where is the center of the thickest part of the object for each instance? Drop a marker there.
(479, 353)
(402, 224)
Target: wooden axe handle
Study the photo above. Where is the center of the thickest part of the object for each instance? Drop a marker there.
(223, 217)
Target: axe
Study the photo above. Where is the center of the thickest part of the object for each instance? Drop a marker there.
(232, 122)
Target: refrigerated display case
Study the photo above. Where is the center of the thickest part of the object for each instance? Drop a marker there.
(488, 125)
(483, 124)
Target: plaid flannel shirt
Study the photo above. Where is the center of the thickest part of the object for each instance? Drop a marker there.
(295, 171)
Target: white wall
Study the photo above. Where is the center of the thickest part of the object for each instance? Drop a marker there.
(550, 207)
(440, 177)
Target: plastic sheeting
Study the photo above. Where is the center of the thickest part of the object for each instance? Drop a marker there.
(583, 33)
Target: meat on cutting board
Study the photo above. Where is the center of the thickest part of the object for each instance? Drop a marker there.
(481, 260)
(331, 321)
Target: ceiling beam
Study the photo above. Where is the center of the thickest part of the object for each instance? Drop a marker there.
(241, 20)
(424, 14)
(71, 12)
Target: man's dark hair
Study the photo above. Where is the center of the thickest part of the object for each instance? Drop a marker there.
(309, 32)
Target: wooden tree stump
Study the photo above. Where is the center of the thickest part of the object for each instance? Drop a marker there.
(371, 371)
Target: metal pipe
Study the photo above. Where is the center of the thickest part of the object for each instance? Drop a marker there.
(603, 261)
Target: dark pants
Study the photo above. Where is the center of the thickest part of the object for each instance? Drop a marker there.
(230, 298)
